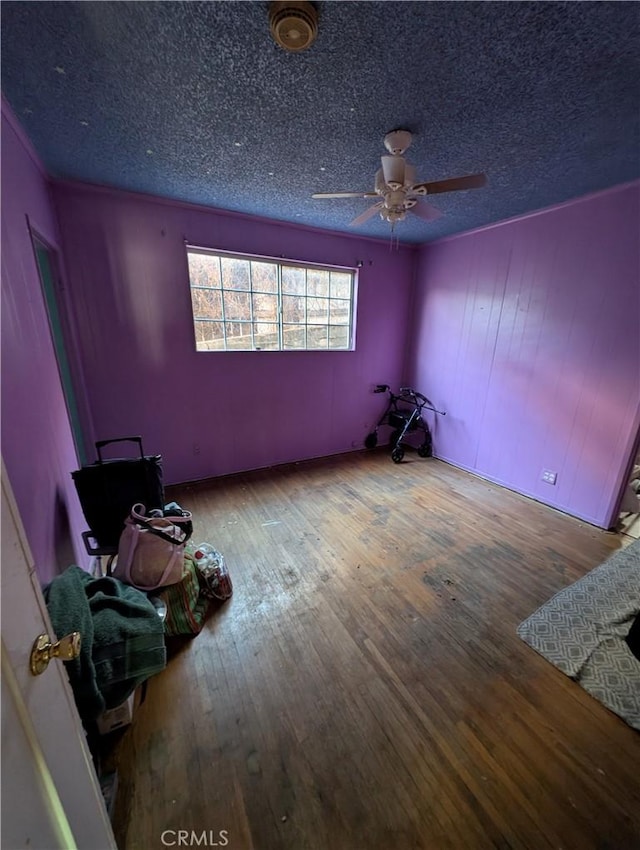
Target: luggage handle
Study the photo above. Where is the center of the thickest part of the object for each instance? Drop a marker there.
(102, 443)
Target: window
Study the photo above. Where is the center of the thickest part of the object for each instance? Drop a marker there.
(255, 304)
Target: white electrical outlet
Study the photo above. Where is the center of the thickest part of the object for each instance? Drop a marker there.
(549, 476)
(196, 448)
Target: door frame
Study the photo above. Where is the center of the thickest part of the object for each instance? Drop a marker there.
(62, 339)
(635, 448)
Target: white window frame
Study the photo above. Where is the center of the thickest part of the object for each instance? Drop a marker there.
(280, 263)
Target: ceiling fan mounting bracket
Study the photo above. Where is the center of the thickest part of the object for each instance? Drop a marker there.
(397, 142)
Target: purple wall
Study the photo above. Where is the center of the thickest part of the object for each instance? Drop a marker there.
(128, 278)
(528, 335)
(37, 446)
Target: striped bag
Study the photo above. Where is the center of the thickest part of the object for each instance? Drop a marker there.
(187, 608)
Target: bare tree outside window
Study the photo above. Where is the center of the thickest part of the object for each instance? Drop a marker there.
(247, 304)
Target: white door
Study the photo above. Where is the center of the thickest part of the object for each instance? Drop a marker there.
(51, 798)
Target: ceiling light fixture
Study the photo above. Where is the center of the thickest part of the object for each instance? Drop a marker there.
(293, 24)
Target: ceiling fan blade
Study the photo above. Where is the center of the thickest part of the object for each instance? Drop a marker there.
(454, 184)
(425, 211)
(367, 214)
(344, 195)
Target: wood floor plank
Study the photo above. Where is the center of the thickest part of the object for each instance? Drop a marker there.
(365, 688)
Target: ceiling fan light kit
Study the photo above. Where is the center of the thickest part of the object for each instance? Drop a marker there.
(393, 171)
(397, 185)
(293, 24)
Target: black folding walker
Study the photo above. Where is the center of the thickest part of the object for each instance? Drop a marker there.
(404, 415)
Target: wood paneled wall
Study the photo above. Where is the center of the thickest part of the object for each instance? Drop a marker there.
(528, 335)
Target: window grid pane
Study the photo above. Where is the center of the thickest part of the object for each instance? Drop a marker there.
(292, 307)
(339, 312)
(236, 305)
(224, 318)
(280, 334)
(306, 303)
(253, 341)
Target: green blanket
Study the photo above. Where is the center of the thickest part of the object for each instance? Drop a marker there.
(122, 637)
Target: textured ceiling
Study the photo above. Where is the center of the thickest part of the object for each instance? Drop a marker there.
(194, 101)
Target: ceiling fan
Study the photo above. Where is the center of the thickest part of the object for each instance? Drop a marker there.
(397, 188)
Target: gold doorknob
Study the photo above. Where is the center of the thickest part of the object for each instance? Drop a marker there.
(43, 651)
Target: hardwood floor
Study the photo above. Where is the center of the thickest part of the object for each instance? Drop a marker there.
(365, 689)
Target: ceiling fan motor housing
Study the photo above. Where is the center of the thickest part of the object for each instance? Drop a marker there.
(293, 24)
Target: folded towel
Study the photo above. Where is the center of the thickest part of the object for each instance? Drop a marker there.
(122, 637)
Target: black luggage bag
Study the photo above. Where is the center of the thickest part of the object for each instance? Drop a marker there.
(109, 488)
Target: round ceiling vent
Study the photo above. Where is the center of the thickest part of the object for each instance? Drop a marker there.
(294, 24)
